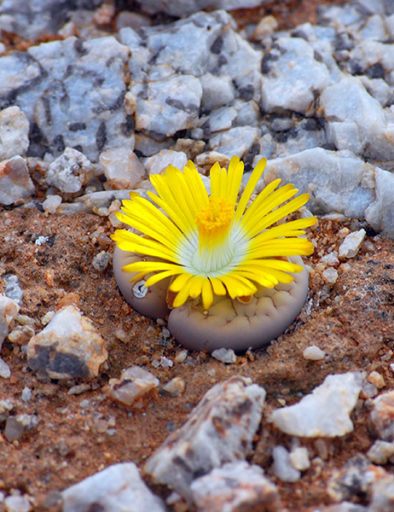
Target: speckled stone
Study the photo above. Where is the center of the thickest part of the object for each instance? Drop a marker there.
(110, 490)
(134, 384)
(382, 416)
(15, 181)
(235, 487)
(68, 347)
(14, 133)
(220, 429)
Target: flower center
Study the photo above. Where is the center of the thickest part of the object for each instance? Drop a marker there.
(214, 222)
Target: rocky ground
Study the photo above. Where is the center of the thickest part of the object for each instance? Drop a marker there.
(62, 418)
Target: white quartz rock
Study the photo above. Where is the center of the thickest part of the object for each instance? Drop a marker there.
(220, 429)
(163, 158)
(344, 183)
(380, 213)
(118, 487)
(8, 311)
(325, 412)
(15, 181)
(348, 102)
(122, 168)
(135, 383)
(68, 347)
(351, 245)
(283, 467)
(14, 133)
(293, 77)
(234, 486)
(70, 171)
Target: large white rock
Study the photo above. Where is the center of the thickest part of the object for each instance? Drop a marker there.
(325, 412)
(116, 488)
(220, 429)
(380, 213)
(337, 181)
(235, 486)
(348, 101)
(182, 7)
(68, 347)
(294, 77)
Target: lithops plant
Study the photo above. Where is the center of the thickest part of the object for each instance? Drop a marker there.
(226, 269)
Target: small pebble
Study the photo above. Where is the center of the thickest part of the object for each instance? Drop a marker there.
(21, 335)
(51, 203)
(12, 288)
(313, 353)
(26, 394)
(17, 504)
(5, 371)
(78, 389)
(351, 245)
(299, 458)
(376, 379)
(164, 362)
(381, 452)
(283, 468)
(101, 260)
(330, 259)
(225, 355)
(181, 356)
(174, 387)
(330, 275)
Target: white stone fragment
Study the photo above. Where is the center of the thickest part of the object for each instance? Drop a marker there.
(299, 458)
(171, 104)
(351, 245)
(216, 91)
(5, 371)
(15, 181)
(115, 488)
(122, 168)
(17, 504)
(14, 133)
(184, 7)
(330, 259)
(381, 452)
(293, 77)
(68, 347)
(348, 101)
(282, 466)
(344, 183)
(220, 429)
(235, 141)
(382, 415)
(13, 289)
(313, 353)
(9, 308)
(70, 171)
(159, 162)
(135, 383)
(330, 275)
(101, 260)
(234, 486)
(380, 213)
(325, 412)
(225, 355)
(51, 203)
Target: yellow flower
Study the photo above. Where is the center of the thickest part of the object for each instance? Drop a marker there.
(214, 244)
